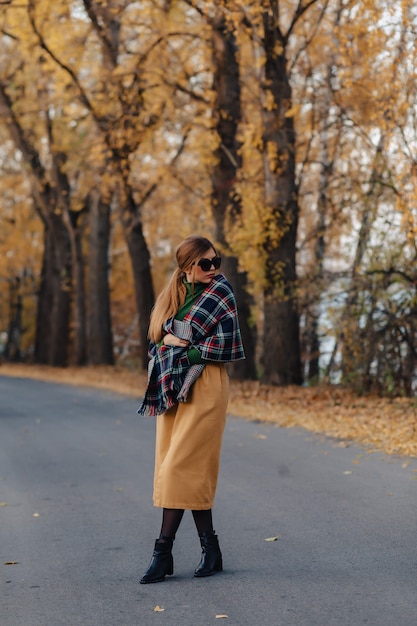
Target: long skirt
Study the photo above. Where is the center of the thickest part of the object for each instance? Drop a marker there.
(188, 444)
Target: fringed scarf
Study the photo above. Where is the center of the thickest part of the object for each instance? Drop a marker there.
(211, 326)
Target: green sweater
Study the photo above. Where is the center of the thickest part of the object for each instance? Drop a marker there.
(190, 298)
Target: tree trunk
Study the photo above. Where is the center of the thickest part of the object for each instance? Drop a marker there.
(226, 203)
(326, 167)
(281, 344)
(53, 312)
(80, 317)
(313, 314)
(141, 268)
(12, 350)
(45, 301)
(349, 318)
(100, 338)
(54, 301)
(74, 222)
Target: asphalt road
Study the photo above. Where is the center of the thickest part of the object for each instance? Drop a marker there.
(77, 520)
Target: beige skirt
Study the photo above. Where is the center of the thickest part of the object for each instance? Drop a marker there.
(188, 444)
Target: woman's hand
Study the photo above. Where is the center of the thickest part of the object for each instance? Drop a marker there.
(172, 340)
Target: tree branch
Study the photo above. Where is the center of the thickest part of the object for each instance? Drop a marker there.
(6, 34)
(109, 49)
(299, 12)
(392, 272)
(308, 41)
(84, 98)
(30, 155)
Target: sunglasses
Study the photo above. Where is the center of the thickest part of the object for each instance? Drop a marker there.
(206, 264)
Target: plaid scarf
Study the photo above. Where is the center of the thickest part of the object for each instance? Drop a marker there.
(211, 326)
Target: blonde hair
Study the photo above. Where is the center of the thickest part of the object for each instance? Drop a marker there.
(173, 296)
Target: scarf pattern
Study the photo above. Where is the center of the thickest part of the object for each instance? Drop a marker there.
(212, 327)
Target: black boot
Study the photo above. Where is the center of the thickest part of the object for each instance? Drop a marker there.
(211, 558)
(161, 564)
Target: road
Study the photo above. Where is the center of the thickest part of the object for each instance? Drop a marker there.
(78, 525)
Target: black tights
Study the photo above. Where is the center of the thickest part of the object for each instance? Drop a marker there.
(171, 519)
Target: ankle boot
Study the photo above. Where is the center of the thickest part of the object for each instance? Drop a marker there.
(161, 564)
(211, 557)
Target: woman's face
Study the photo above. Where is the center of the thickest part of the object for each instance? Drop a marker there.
(196, 272)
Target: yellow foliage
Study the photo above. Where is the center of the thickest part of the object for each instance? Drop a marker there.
(21, 243)
(141, 116)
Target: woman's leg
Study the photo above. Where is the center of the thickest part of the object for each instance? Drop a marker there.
(171, 519)
(203, 521)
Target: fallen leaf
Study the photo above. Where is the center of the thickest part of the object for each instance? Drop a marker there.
(4, 503)
(261, 436)
(11, 562)
(35, 515)
(272, 538)
(347, 473)
(221, 616)
(158, 609)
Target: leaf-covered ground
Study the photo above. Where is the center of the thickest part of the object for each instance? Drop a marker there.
(383, 424)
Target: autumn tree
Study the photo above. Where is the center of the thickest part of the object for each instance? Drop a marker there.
(226, 200)
(227, 163)
(272, 30)
(380, 351)
(99, 327)
(116, 126)
(54, 297)
(356, 148)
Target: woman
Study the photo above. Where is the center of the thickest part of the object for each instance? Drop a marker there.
(194, 331)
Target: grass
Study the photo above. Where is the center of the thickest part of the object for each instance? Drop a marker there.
(388, 425)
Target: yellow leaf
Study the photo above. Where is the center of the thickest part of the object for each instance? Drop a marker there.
(158, 609)
(272, 538)
(35, 515)
(221, 616)
(4, 503)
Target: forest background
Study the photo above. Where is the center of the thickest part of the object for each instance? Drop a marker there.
(284, 130)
